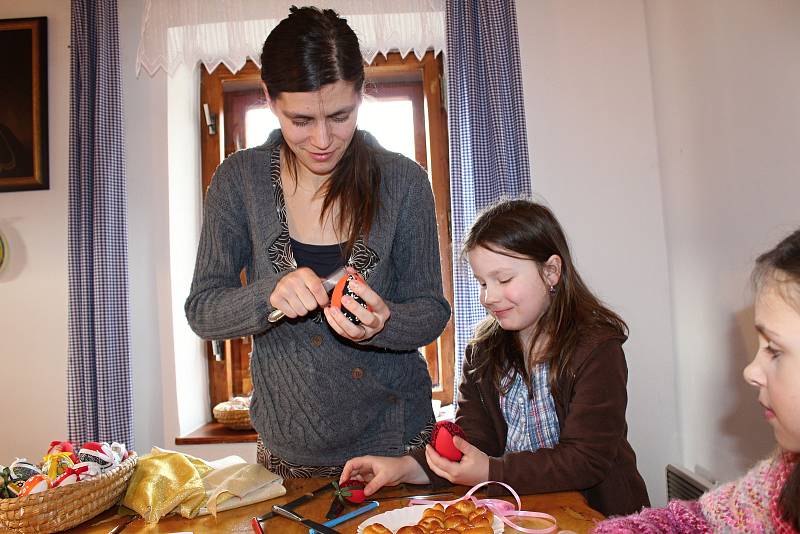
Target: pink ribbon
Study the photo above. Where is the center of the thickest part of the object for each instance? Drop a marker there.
(500, 508)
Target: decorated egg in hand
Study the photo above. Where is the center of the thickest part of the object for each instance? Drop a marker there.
(35, 484)
(442, 440)
(352, 490)
(22, 469)
(343, 289)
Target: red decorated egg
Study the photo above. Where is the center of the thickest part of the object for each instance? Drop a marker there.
(343, 288)
(88, 469)
(442, 440)
(69, 476)
(352, 490)
(98, 453)
(35, 484)
(63, 446)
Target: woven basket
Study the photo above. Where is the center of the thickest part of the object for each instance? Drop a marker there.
(233, 418)
(64, 507)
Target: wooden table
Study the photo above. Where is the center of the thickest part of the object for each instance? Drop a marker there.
(569, 508)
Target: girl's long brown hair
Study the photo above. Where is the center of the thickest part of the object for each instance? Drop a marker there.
(522, 228)
(780, 268)
(307, 50)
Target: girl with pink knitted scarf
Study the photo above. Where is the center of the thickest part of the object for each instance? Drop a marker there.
(767, 498)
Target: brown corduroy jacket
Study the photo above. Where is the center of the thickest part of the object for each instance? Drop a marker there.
(593, 454)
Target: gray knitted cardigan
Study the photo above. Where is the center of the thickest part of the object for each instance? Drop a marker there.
(319, 399)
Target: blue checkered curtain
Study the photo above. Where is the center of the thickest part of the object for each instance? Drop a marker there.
(488, 143)
(100, 404)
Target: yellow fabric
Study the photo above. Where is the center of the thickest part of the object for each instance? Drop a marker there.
(242, 481)
(165, 480)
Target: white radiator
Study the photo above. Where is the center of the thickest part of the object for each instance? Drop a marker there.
(684, 484)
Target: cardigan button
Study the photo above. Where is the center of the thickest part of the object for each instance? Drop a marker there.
(316, 340)
(357, 373)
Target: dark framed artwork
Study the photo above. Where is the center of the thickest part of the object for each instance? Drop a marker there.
(23, 105)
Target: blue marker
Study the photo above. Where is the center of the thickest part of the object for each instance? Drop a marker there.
(371, 505)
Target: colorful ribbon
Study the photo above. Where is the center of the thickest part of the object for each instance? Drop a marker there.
(500, 508)
(54, 464)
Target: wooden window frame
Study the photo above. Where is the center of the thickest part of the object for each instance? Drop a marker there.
(387, 77)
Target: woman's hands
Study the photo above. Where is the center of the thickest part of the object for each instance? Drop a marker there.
(372, 320)
(298, 293)
(472, 469)
(379, 471)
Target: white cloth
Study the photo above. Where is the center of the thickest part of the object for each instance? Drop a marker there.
(234, 483)
(233, 31)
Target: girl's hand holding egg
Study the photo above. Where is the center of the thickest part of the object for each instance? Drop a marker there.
(452, 457)
(442, 440)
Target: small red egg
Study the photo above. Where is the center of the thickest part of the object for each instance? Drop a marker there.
(64, 446)
(353, 490)
(442, 440)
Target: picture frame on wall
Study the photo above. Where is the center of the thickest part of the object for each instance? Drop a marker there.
(23, 105)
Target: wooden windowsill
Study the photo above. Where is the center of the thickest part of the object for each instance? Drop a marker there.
(214, 432)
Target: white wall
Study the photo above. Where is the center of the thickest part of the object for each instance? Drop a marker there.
(664, 135)
(145, 110)
(592, 143)
(33, 285)
(726, 76)
(170, 377)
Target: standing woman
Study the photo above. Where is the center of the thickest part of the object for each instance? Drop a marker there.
(320, 194)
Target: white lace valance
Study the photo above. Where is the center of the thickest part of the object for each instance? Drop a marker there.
(232, 31)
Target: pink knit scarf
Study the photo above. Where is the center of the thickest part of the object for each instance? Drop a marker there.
(750, 504)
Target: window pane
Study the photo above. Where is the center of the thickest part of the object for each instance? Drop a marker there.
(390, 121)
(259, 123)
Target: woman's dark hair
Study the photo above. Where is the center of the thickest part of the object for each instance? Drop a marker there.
(307, 50)
(780, 269)
(524, 229)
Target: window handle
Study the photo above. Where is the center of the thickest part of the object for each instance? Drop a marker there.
(218, 350)
(211, 120)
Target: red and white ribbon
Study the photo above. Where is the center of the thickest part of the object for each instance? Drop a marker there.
(502, 509)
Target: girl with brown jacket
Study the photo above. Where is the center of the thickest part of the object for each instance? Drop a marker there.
(543, 392)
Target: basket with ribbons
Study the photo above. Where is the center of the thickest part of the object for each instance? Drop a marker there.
(65, 490)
